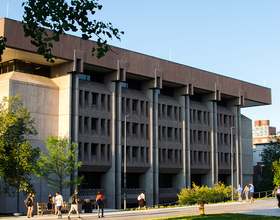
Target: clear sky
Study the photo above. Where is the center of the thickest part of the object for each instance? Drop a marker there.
(235, 38)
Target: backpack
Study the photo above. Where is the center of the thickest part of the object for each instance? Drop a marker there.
(26, 202)
(99, 202)
(72, 199)
(139, 197)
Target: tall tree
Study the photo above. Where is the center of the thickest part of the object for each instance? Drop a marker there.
(58, 164)
(15, 125)
(269, 154)
(276, 172)
(59, 16)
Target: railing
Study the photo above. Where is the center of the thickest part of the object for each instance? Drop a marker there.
(130, 191)
(263, 194)
(168, 190)
(91, 192)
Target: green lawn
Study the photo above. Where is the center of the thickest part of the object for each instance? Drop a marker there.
(227, 216)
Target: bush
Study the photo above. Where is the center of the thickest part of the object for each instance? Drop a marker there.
(220, 192)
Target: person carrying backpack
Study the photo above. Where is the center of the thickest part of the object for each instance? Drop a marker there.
(74, 204)
(99, 202)
(142, 200)
(29, 205)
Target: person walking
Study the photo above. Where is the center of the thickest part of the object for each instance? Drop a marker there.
(59, 203)
(29, 205)
(32, 202)
(278, 195)
(142, 200)
(252, 190)
(246, 192)
(239, 191)
(74, 204)
(99, 202)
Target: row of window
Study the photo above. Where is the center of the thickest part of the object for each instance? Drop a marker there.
(200, 158)
(136, 155)
(169, 156)
(96, 101)
(225, 140)
(94, 152)
(135, 107)
(169, 134)
(199, 117)
(94, 126)
(224, 159)
(136, 130)
(225, 120)
(25, 67)
(169, 112)
(200, 137)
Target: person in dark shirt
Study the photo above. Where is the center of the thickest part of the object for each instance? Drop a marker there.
(74, 205)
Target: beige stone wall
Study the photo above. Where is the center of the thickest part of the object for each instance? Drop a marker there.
(64, 105)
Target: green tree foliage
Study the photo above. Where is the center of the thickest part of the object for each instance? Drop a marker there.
(269, 154)
(276, 172)
(2, 46)
(218, 193)
(15, 125)
(60, 17)
(58, 164)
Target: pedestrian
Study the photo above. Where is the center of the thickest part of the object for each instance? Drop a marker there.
(28, 204)
(278, 195)
(59, 203)
(50, 201)
(32, 202)
(74, 204)
(99, 202)
(239, 191)
(246, 192)
(142, 200)
(252, 190)
(54, 204)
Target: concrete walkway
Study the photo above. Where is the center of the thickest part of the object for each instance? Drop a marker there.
(259, 207)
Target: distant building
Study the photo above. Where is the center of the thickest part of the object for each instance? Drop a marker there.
(262, 132)
(182, 121)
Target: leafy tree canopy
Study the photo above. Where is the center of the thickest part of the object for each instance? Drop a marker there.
(58, 164)
(15, 125)
(59, 16)
(269, 154)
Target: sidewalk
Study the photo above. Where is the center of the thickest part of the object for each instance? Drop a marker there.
(259, 207)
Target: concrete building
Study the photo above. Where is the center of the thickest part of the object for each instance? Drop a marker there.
(179, 129)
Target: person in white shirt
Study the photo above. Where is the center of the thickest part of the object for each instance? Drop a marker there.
(59, 203)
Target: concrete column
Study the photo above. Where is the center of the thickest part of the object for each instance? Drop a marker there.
(148, 177)
(74, 133)
(155, 148)
(212, 176)
(109, 183)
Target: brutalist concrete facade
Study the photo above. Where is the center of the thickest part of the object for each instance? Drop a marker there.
(179, 125)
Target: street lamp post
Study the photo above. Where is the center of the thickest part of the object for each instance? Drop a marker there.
(232, 163)
(124, 164)
(17, 213)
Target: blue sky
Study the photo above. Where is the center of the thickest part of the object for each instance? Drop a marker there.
(235, 38)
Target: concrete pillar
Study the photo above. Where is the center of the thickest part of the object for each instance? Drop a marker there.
(109, 183)
(212, 176)
(149, 175)
(75, 119)
(155, 148)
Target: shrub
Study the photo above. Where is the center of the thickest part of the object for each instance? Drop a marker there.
(220, 192)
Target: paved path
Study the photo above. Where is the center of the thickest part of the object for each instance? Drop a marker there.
(259, 207)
